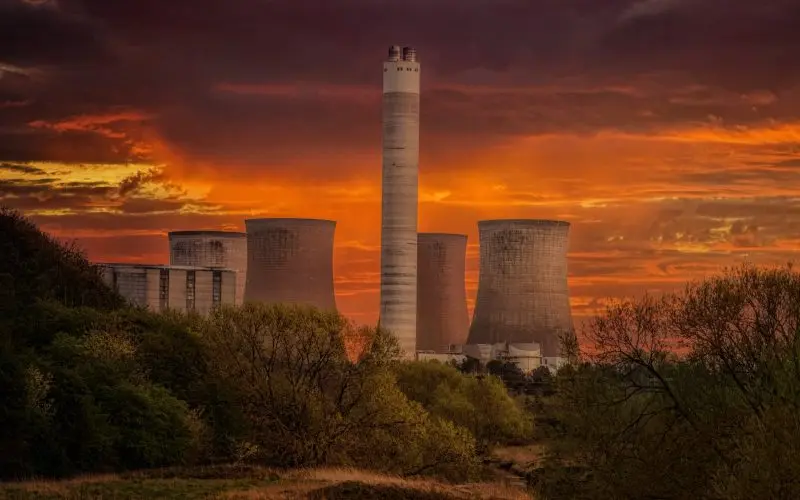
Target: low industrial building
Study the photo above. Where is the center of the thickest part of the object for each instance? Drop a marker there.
(449, 357)
(527, 356)
(215, 249)
(179, 288)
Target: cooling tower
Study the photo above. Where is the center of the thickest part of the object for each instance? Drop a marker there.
(522, 293)
(442, 317)
(400, 172)
(217, 249)
(290, 261)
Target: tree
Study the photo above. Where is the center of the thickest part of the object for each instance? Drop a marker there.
(308, 404)
(34, 266)
(511, 374)
(683, 392)
(481, 405)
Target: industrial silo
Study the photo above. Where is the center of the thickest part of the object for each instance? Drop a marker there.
(522, 292)
(290, 261)
(442, 317)
(215, 249)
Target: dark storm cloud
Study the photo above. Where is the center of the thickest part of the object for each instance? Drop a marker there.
(68, 147)
(133, 182)
(21, 168)
(138, 206)
(294, 40)
(106, 224)
(734, 44)
(33, 33)
(166, 58)
(48, 187)
(46, 194)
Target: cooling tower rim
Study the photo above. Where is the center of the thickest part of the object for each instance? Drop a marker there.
(288, 221)
(442, 236)
(209, 232)
(523, 222)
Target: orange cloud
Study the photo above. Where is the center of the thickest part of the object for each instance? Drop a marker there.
(640, 203)
(94, 123)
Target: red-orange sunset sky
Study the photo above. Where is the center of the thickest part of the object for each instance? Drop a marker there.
(666, 131)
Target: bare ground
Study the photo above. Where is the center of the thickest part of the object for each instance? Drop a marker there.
(257, 483)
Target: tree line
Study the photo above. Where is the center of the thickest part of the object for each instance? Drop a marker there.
(691, 395)
(91, 384)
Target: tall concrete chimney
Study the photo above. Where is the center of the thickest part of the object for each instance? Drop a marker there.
(400, 178)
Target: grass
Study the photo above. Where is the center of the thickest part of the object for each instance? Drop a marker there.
(256, 483)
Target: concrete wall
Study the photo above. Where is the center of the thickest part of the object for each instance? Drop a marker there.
(203, 302)
(177, 289)
(141, 285)
(230, 288)
(400, 179)
(442, 317)
(290, 261)
(522, 293)
(131, 283)
(153, 280)
(219, 249)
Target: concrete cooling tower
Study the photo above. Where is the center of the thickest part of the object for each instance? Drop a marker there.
(215, 249)
(399, 196)
(522, 293)
(290, 261)
(442, 317)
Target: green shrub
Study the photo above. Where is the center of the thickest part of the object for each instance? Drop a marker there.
(307, 404)
(480, 404)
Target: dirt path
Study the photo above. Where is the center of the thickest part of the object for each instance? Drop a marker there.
(513, 462)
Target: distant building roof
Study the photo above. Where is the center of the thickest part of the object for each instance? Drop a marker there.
(203, 232)
(163, 266)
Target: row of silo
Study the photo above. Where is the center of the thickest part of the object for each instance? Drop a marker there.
(522, 293)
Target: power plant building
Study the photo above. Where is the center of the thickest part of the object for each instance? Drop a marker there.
(216, 249)
(523, 296)
(400, 179)
(290, 261)
(180, 288)
(442, 316)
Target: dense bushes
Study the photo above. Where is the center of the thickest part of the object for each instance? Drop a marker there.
(480, 404)
(89, 384)
(34, 266)
(694, 395)
(263, 384)
(89, 404)
(307, 404)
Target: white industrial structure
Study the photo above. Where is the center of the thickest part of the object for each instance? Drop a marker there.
(180, 288)
(400, 179)
(217, 249)
(526, 356)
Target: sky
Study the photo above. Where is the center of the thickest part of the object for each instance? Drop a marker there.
(666, 131)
